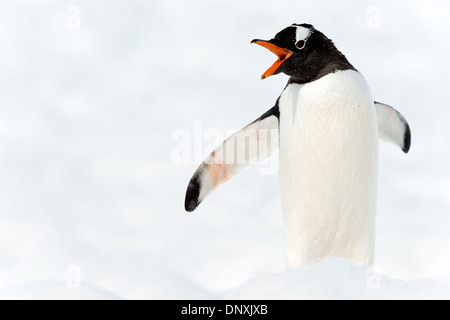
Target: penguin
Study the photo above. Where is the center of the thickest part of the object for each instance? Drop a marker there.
(326, 126)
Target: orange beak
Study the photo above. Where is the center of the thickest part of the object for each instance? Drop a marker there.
(282, 54)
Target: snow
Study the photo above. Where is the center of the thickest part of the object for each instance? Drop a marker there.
(336, 278)
(91, 201)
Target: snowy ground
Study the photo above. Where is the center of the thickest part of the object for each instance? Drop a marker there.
(91, 198)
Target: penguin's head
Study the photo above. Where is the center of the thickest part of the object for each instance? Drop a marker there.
(304, 53)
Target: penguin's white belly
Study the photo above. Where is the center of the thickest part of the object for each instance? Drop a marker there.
(328, 169)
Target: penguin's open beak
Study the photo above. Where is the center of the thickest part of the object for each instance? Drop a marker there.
(282, 54)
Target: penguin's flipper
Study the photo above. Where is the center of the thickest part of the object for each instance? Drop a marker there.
(392, 126)
(251, 144)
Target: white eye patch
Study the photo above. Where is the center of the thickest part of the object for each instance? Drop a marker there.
(301, 33)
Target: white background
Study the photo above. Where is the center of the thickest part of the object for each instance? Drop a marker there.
(92, 202)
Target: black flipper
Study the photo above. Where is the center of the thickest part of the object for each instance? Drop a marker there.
(251, 144)
(392, 126)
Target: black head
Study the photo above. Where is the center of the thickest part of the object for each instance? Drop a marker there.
(304, 53)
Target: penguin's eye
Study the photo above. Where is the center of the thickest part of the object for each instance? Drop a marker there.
(300, 44)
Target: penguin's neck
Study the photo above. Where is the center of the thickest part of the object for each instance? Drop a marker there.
(326, 63)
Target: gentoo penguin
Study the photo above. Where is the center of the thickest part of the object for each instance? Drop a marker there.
(326, 126)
